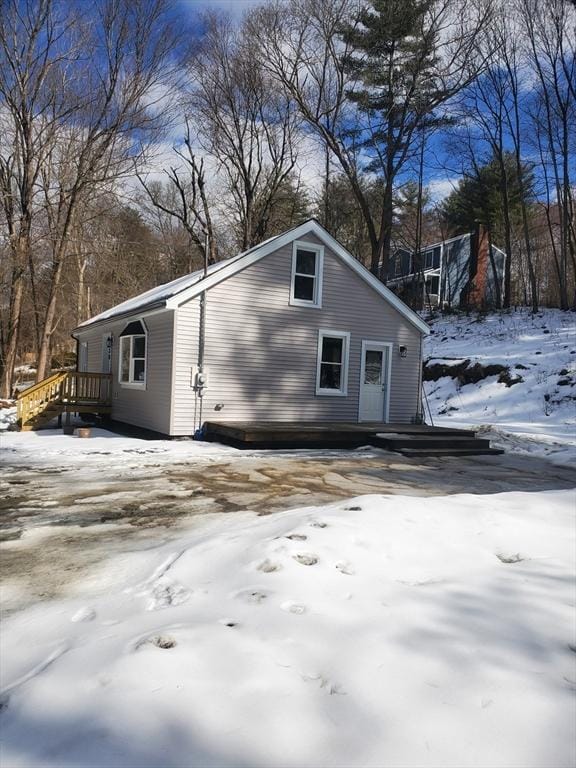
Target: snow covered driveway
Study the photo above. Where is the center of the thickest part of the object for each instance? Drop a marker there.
(387, 631)
(394, 613)
(76, 502)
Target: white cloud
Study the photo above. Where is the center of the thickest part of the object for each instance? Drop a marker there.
(441, 188)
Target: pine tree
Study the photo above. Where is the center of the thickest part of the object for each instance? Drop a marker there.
(478, 198)
(397, 68)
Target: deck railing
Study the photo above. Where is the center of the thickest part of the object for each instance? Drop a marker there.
(81, 387)
(63, 390)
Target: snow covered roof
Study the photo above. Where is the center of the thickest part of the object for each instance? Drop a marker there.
(172, 295)
(157, 297)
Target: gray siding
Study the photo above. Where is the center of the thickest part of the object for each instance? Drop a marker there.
(261, 352)
(151, 407)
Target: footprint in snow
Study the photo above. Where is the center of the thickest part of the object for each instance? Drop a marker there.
(84, 614)
(305, 559)
(510, 559)
(318, 524)
(159, 641)
(163, 642)
(345, 568)
(166, 594)
(291, 607)
(332, 688)
(253, 595)
(267, 566)
(296, 537)
(228, 622)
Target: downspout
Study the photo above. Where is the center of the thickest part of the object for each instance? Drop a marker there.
(441, 278)
(200, 382)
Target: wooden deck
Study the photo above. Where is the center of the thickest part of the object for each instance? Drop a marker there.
(412, 439)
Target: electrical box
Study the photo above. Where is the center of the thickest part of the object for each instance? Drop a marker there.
(199, 379)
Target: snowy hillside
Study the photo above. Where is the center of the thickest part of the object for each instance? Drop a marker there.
(515, 372)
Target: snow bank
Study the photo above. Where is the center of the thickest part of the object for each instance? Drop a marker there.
(7, 417)
(385, 631)
(541, 349)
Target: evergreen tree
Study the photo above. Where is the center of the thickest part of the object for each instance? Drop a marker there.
(478, 197)
(400, 86)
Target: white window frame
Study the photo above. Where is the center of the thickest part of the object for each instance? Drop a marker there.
(131, 383)
(316, 302)
(345, 336)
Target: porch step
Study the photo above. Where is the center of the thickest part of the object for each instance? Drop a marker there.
(398, 442)
(450, 451)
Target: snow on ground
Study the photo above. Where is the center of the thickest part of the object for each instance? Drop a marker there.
(49, 447)
(382, 631)
(536, 415)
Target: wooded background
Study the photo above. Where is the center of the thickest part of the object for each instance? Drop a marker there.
(133, 132)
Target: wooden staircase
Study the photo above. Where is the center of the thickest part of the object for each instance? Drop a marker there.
(64, 392)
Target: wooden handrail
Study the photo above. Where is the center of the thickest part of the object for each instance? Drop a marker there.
(64, 390)
(40, 385)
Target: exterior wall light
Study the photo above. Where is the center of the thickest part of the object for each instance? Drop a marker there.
(403, 350)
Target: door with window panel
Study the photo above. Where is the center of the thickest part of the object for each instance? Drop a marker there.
(374, 381)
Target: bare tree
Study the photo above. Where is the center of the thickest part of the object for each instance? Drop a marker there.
(33, 65)
(303, 46)
(492, 119)
(549, 31)
(300, 46)
(243, 121)
(77, 93)
(135, 41)
(186, 200)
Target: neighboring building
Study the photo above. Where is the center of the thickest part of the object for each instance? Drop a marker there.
(295, 329)
(463, 271)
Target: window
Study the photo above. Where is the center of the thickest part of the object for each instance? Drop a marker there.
(132, 368)
(332, 368)
(306, 283)
(432, 258)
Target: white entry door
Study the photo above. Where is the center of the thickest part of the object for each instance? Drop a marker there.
(374, 381)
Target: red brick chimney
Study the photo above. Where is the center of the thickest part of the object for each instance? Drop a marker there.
(479, 266)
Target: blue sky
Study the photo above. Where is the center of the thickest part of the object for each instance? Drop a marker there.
(234, 7)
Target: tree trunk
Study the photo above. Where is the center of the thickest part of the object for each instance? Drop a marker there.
(21, 251)
(44, 356)
(507, 299)
(380, 265)
(498, 292)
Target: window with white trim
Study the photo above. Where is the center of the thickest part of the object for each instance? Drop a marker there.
(306, 283)
(332, 366)
(132, 366)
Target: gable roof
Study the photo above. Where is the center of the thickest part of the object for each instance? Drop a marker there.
(172, 295)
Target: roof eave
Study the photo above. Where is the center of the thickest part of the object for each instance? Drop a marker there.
(141, 311)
